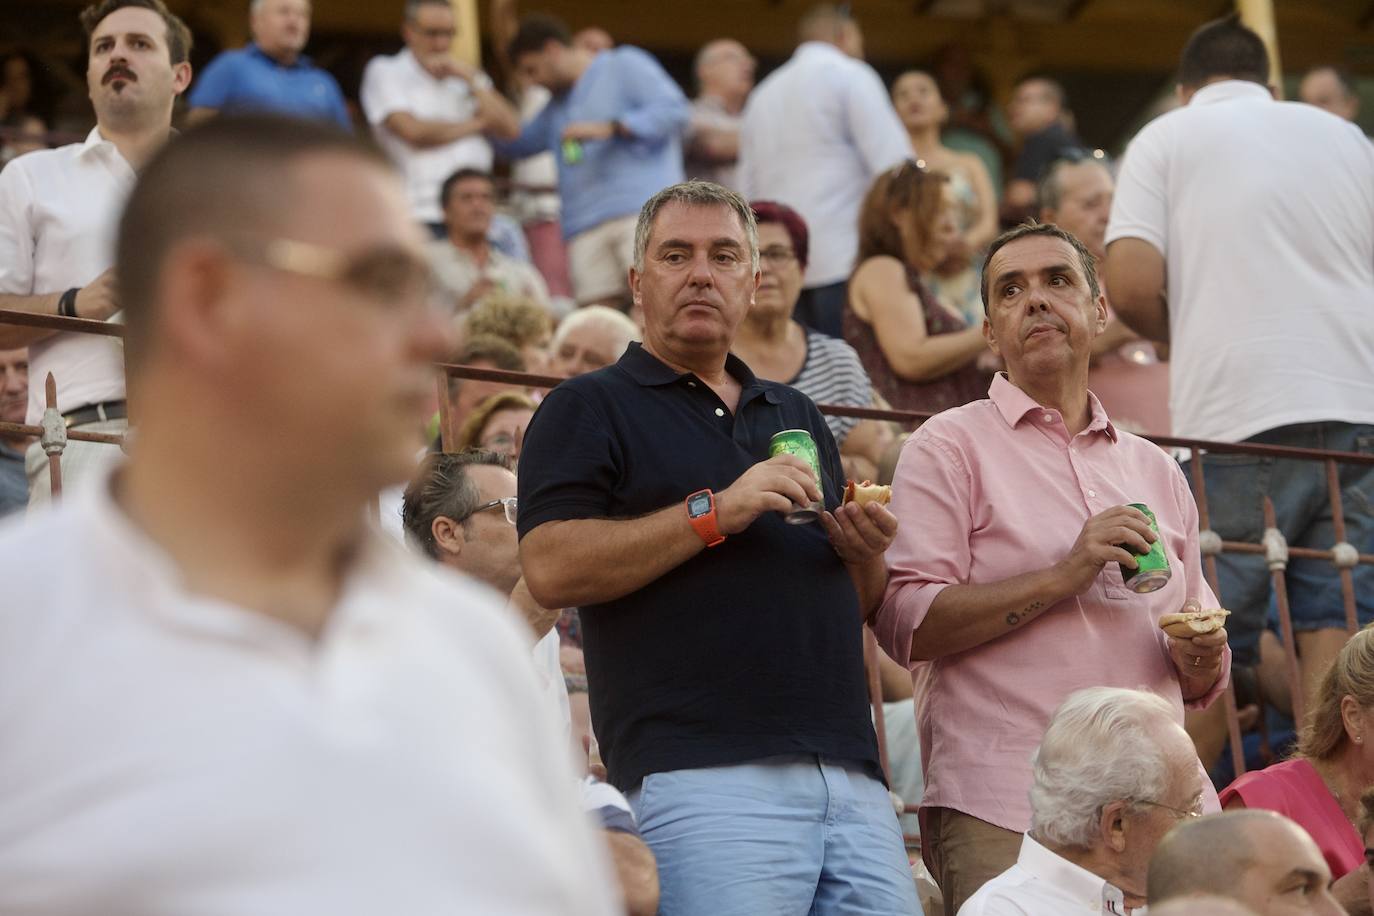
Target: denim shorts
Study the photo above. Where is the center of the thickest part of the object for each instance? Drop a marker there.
(1236, 487)
(787, 835)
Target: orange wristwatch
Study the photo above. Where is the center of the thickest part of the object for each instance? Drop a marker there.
(701, 513)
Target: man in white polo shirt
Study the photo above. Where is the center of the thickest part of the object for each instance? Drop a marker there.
(58, 210)
(814, 135)
(430, 111)
(222, 690)
(1241, 233)
(1113, 774)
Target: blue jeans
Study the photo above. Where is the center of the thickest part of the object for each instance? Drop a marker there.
(786, 835)
(1236, 486)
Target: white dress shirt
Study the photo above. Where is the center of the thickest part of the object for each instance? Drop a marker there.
(397, 83)
(59, 212)
(1044, 884)
(1264, 212)
(815, 134)
(166, 752)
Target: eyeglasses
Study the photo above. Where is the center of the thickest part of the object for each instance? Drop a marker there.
(389, 275)
(777, 256)
(505, 502)
(1179, 813)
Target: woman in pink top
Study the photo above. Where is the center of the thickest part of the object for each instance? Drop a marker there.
(1321, 785)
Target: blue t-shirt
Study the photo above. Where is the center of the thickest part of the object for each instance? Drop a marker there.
(246, 79)
(611, 178)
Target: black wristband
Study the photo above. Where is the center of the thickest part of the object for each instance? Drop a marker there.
(66, 306)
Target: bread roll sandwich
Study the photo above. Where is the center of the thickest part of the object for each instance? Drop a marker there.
(867, 492)
(1193, 623)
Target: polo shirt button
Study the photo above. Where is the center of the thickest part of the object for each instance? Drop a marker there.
(691, 384)
(720, 411)
(1092, 494)
(1048, 418)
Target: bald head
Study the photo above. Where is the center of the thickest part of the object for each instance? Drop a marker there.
(833, 25)
(1258, 858)
(725, 69)
(1201, 906)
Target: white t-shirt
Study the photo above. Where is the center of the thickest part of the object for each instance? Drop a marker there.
(397, 83)
(1264, 212)
(1044, 884)
(59, 212)
(165, 752)
(814, 135)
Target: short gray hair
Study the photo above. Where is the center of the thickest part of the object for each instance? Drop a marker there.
(696, 193)
(442, 487)
(1050, 193)
(1102, 746)
(1086, 261)
(412, 7)
(618, 323)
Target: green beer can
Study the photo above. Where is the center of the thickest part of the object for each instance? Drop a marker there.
(1152, 569)
(799, 442)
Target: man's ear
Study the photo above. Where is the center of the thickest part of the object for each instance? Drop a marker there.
(635, 295)
(448, 535)
(1112, 826)
(991, 337)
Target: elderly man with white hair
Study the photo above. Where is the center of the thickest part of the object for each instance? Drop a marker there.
(1113, 774)
(590, 338)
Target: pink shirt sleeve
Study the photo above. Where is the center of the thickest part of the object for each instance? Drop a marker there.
(930, 487)
(1197, 582)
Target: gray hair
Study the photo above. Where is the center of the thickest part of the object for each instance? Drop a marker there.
(412, 7)
(1050, 193)
(442, 488)
(1102, 746)
(696, 193)
(617, 323)
(1086, 261)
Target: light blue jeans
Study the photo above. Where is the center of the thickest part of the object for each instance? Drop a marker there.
(784, 836)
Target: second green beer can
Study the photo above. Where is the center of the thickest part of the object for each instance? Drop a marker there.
(799, 442)
(1152, 571)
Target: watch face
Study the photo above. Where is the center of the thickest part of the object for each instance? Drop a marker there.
(699, 505)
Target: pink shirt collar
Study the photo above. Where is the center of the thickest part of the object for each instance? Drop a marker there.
(1014, 404)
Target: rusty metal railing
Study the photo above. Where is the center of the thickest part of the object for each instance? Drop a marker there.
(1273, 546)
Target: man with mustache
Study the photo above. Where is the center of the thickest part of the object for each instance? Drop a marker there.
(1005, 587)
(58, 210)
(270, 73)
(723, 645)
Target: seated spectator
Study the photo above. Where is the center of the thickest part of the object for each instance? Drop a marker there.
(1367, 835)
(469, 267)
(1125, 374)
(14, 402)
(429, 110)
(20, 134)
(460, 510)
(777, 347)
(1113, 774)
(594, 39)
(1207, 905)
(725, 75)
(601, 130)
(480, 352)
(270, 73)
(498, 425)
(590, 338)
(920, 354)
(916, 96)
(1321, 785)
(1257, 858)
(1039, 117)
(1332, 89)
(522, 323)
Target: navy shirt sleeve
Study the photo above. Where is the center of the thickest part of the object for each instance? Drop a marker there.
(568, 464)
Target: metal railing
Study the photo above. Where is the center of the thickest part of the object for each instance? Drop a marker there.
(53, 436)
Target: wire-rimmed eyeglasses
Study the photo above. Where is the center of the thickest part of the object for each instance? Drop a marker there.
(508, 503)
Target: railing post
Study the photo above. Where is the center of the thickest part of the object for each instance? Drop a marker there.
(872, 660)
(1209, 543)
(54, 439)
(1343, 554)
(441, 383)
(1276, 556)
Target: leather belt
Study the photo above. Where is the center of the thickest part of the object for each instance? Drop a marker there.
(96, 413)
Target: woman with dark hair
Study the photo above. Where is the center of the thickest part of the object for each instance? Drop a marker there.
(920, 354)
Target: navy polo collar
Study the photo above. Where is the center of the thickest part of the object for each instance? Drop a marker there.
(649, 371)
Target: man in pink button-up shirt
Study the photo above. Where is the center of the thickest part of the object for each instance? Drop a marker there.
(1005, 589)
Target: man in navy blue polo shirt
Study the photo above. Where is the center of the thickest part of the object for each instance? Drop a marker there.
(270, 73)
(723, 645)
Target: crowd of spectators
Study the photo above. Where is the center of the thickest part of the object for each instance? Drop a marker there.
(647, 688)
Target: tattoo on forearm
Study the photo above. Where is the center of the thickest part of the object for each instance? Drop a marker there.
(1014, 618)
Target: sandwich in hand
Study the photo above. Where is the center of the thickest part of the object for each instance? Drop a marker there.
(1193, 623)
(867, 492)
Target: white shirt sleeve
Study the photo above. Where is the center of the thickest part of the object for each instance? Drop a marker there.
(1140, 207)
(874, 127)
(16, 231)
(381, 94)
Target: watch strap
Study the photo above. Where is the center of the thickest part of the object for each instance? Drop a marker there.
(706, 526)
(66, 304)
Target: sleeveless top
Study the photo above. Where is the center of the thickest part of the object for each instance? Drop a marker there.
(953, 389)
